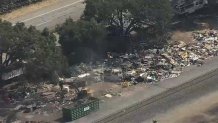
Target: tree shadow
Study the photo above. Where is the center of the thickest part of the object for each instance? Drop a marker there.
(206, 18)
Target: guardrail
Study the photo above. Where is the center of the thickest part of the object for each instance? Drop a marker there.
(157, 97)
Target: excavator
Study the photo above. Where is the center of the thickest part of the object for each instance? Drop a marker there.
(81, 93)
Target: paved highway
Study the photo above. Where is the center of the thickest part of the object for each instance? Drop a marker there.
(53, 15)
(147, 113)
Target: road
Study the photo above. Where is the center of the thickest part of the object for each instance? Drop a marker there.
(52, 15)
(169, 104)
(202, 110)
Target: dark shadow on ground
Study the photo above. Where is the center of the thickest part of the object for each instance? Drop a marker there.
(201, 19)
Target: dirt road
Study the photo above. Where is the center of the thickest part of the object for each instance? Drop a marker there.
(202, 110)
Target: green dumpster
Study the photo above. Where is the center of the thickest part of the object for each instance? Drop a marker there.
(80, 109)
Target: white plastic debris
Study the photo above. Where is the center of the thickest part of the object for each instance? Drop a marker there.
(108, 95)
(84, 75)
(116, 70)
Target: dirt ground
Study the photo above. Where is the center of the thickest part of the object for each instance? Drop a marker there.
(99, 90)
(183, 30)
(28, 9)
(182, 36)
(203, 110)
(204, 19)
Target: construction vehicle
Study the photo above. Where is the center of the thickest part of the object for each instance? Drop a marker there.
(83, 103)
(81, 92)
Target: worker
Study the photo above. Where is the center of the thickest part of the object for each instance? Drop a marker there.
(61, 84)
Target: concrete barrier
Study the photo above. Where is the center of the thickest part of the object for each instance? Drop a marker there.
(160, 96)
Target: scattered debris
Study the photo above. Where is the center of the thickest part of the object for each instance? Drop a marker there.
(152, 65)
(108, 95)
(144, 66)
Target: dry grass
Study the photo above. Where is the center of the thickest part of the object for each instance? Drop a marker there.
(28, 9)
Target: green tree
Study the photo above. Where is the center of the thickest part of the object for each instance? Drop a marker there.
(82, 40)
(29, 48)
(125, 16)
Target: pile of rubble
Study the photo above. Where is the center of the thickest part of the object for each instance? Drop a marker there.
(156, 64)
(41, 100)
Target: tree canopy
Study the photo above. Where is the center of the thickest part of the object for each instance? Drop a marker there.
(81, 40)
(29, 48)
(126, 16)
(109, 25)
